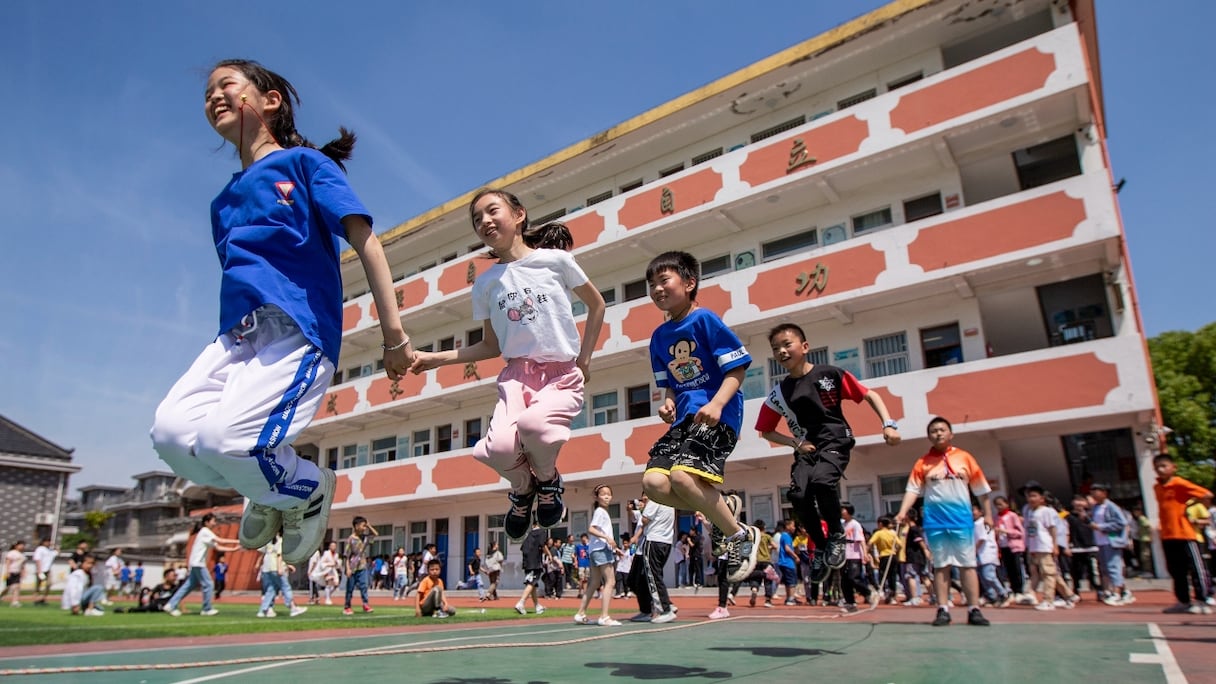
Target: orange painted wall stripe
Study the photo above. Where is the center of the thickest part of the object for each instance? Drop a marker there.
(1025, 389)
(586, 229)
(1018, 74)
(400, 480)
(338, 402)
(454, 375)
(846, 270)
(585, 453)
(412, 293)
(1007, 229)
(687, 192)
(455, 277)
(462, 471)
(381, 389)
(824, 143)
(351, 315)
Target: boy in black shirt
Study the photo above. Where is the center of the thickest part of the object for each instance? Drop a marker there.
(810, 401)
(533, 550)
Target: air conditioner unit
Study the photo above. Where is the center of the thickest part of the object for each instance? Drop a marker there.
(44, 519)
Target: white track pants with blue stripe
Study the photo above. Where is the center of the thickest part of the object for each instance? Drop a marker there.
(231, 419)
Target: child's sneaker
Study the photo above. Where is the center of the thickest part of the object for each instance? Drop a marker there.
(347, 611)
(741, 554)
(664, 617)
(606, 621)
(975, 617)
(268, 613)
(209, 612)
(1045, 605)
(540, 610)
(942, 618)
(1178, 608)
(719, 613)
(518, 522)
(259, 524)
(549, 506)
(519, 608)
(835, 555)
(298, 610)
(368, 609)
(1198, 608)
(581, 619)
(440, 614)
(819, 567)
(93, 612)
(304, 527)
(734, 503)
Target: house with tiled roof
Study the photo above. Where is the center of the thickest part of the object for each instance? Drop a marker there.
(34, 474)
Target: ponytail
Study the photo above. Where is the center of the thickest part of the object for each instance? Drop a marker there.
(202, 522)
(552, 235)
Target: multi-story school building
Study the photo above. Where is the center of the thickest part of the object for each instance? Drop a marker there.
(926, 190)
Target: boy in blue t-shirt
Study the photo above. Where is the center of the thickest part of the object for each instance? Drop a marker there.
(701, 364)
(582, 557)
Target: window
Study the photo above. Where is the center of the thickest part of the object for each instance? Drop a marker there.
(472, 431)
(922, 207)
(636, 290)
(379, 364)
(671, 170)
(753, 386)
(779, 128)
(422, 442)
(331, 458)
(599, 198)
(609, 295)
(892, 489)
(350, 456)
(789, 244)
(428, 347)
(384, 450)
(496, 532)
(443, 438)
(553, 216)
(631, 185)
(818, 356)
(426, 266)
(706, 156)
(715, 266)
(474, 336)
(856, 99)
(383, 544)
(942, 345)
(447, 344)
(1047, 163)
(448, 257)
(476, 247)
(639, 401)
(871, 221)
(604, 408)
(886, 355)
(337, 379)
(906, 80)
(418, 537)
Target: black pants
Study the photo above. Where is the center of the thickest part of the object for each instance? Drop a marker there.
(814, 478)
(646, 577)
(851, 579)
(1184, 562)
(1082, 566)
(1011, 562)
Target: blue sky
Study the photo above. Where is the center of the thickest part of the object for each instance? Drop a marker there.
(109, 280)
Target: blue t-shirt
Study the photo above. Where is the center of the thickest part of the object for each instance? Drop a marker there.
(784, 559)
(276, 227)
(691, 357)
(580, 552)
(221, 571)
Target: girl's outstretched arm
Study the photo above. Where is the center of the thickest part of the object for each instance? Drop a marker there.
(487, 348)
(398, 354)
(595, 321)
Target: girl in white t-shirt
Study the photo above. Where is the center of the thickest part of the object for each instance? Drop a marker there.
(603, 551)
(14, 565)
(330, 562)
(524, 303)
(200, 576)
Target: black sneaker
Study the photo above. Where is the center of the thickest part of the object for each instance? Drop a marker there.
(549, 506)
(741, 555)
(943, 618)
(835, 553)
(819, 567)
(975, 617)
(518, 522)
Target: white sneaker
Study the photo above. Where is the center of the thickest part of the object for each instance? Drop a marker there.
(93, 612)
(664, 617)
(304, 527)
(329, 602)
(261, 614)
(540, 610)
(1112, 600)
(519, 608)
(607, 622)
(1045, 606)
(259, 524)
(209, 613)
(298, 610)
(175, 612)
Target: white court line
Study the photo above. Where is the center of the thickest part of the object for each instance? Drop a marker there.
(372, 651)
(1163, 657)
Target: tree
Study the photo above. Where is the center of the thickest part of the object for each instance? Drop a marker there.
(1184, 368)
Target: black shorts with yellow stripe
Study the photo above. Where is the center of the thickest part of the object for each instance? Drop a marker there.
(695, 448)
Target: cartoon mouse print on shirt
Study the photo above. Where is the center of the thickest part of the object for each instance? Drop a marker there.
(684, 366)
(523, 314)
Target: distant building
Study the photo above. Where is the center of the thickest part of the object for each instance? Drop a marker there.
(34, 475)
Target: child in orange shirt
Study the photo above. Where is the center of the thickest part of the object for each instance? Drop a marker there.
(432, 600)
(1178, 537)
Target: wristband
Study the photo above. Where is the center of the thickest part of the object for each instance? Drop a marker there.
(890, 424)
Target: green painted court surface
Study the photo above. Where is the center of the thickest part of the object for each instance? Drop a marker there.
(764, 650)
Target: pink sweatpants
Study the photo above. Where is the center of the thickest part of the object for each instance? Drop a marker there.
(531, 422)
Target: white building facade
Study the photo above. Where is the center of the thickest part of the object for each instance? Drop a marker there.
(925, 190)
